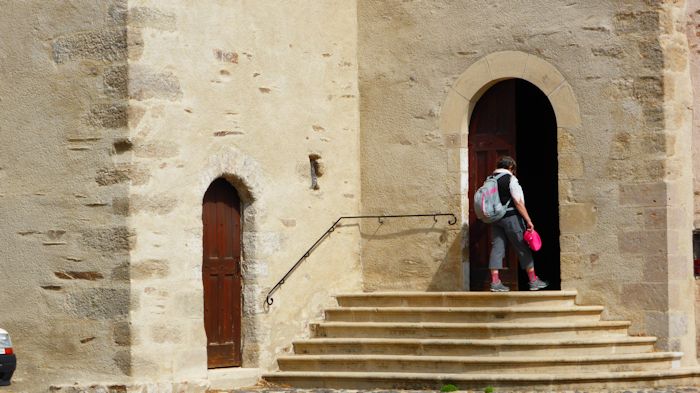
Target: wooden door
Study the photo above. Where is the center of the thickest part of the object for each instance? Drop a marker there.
(491, 134)
(221, 274)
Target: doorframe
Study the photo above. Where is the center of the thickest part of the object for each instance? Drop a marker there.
(246, 175)
(457, 110)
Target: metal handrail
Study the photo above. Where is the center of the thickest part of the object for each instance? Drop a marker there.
(269, 300)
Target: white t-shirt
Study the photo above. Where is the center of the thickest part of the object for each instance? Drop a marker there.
(515, 190)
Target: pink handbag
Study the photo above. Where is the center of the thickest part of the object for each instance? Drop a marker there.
(532, 238)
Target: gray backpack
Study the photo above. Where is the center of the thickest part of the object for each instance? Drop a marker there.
(487, 202)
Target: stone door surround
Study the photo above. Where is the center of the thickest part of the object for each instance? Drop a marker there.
(472, 84)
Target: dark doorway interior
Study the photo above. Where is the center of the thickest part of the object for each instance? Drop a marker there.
(536, 149)
(514, 117)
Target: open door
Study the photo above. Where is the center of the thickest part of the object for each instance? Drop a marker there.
(515, 118)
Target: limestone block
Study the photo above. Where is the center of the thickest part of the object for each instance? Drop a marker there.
(648, 194)
(566, 191)
(577, 217)
(655, 268)
(570, 166)
(507, 64)
(569, 243)
(121, 333)
(457, 160)
(566, 142)
(152, 18)
(678, 325)
(565, 106)
(106, 45)
(98, 303)
(572, 266)
(112, 115)
(542, 74)
(151, 268)
(642, 242)
(651, 296)
(654, 218)
(116, 80)
(453, 114)
(473, 79)
(678, 290)
(456, 141)
(114, 239)
(165, 334)
(656, 323)
(146, 83)
(678, 266)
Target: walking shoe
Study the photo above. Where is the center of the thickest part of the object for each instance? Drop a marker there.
(538, 284)
(499, 287)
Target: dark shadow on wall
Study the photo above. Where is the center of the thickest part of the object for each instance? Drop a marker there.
(419, 256)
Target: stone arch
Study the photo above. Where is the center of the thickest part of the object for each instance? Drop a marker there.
(479, 77)
(463, 96)
(246, 175)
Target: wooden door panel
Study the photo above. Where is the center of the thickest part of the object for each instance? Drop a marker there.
(491, 135)
(221, 274)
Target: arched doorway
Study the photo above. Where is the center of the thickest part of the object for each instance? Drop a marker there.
(221, 274)
(515, 118)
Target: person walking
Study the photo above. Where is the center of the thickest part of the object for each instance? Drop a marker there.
(511, 227)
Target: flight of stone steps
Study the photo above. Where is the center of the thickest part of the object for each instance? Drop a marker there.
(515, 340)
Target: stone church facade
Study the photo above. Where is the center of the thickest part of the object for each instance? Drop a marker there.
(118, 116)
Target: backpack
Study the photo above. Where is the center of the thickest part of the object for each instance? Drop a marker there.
(487, 202)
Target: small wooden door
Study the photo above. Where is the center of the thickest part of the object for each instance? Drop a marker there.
(491, 134)
(221, 274)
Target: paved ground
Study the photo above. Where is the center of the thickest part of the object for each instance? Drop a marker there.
(675, 389)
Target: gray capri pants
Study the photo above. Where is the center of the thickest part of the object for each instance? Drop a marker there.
(512, 228)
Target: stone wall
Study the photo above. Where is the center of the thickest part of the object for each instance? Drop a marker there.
(248, 91)
(621, 168)
(693, 33)
(64, 287)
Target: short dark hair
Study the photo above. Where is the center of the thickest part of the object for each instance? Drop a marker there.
(506, 162)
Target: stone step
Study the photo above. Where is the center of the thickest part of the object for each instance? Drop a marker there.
(458, 299)
(480, 364)
(470, 330)
(465, 314)
(546, 382)
(462, 347)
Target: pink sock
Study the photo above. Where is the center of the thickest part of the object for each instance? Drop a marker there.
(494, 276)
(531, 275)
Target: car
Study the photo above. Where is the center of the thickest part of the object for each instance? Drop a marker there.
(8, 359)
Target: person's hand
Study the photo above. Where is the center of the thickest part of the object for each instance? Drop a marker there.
(530, 226)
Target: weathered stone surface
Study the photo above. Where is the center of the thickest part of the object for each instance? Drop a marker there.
(106, 45)
(149, 269)
(121, 333)
(152, 18)
(650, 194)
(145, 84)
(98, 303)
(577, 217)
(643, 242)
(121, 174)
(116, 81)
(115, 239)
(108, 115)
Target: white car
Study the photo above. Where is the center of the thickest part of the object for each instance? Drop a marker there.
(8, 360)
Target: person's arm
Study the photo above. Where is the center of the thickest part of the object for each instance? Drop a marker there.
(518, 198)
(520, 207)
